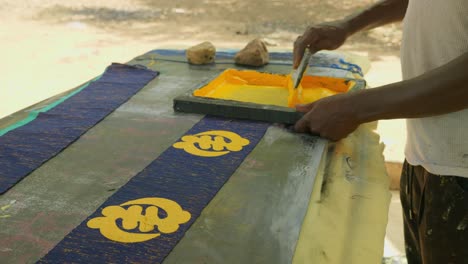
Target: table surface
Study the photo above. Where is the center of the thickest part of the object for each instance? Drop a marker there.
(265, 213)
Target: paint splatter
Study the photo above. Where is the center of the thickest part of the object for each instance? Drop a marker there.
(350, 162)
(443, 181)
(5, 207)
(446, 214)
(357, 196)
(463, 223)
(153, 60)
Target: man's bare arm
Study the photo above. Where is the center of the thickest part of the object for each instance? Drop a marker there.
(330, 36)
(440, 91)
(381, 13)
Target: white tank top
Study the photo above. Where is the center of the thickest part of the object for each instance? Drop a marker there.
(434, 33)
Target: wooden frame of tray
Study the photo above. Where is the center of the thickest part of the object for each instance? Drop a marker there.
(187, 103)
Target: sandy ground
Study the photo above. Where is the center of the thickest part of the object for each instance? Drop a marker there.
(49, 46)
(52, 45)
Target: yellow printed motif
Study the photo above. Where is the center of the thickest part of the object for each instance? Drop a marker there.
(212, 143)
(133, 218)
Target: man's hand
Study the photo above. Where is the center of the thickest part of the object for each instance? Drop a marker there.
(332, 117)
(328, 36)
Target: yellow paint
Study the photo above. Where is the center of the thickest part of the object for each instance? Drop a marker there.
(212, 143)
(133, 218)
(153, 61)
(271, 89)
(5, 207)
(348, 213)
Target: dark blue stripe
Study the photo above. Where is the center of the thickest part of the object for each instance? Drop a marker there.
(189, 180)
(26, 148)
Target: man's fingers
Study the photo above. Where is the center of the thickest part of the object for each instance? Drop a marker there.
(304, 108)
(313, 49)
(298, 52)
(306, 41)
(301, 126)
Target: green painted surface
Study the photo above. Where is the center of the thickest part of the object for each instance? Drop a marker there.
(258, 214)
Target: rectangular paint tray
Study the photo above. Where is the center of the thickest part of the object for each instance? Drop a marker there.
(260, 96)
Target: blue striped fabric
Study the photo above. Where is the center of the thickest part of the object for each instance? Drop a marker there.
(145, 219)
(25, 148)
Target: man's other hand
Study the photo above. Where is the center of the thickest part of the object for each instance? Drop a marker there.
(331, 117)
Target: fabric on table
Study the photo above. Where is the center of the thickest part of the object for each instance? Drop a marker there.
(24, 149)
(32, 115)
(148, 216)
(349, 203)
(29, 247)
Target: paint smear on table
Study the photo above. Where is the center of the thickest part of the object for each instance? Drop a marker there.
(271, 89)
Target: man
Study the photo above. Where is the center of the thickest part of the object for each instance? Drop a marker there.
(433, 97)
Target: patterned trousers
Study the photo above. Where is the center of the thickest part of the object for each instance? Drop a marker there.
(435, 212)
